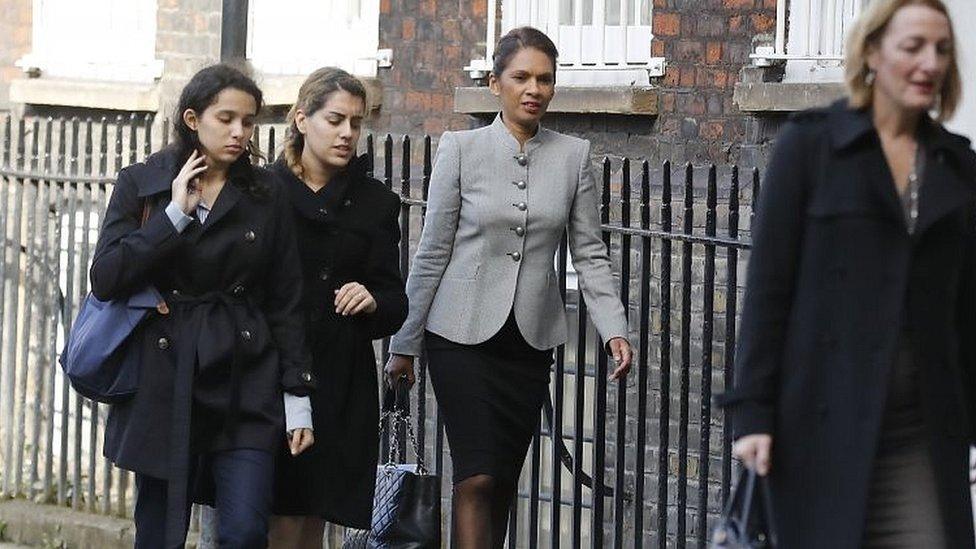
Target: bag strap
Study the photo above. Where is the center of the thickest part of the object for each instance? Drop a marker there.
(567, 458)
(146, 209)
(396, 413)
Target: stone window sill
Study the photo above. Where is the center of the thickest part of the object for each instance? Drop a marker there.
(632, 100)
(282, 90)
(120, 96)
(785, 96)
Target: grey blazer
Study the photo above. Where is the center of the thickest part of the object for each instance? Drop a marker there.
(494, 222)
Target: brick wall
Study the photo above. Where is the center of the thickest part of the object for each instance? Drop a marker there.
(431, 41)
(705, 43)
(187, 39)
(15, 30)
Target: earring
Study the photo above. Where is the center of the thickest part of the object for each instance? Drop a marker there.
(869, 77)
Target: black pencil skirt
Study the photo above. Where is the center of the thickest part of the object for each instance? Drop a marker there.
(490, 396)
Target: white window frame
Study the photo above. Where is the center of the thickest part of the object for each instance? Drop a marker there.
(111, 40)
(814, 49)
(591, 51)
(339, 33)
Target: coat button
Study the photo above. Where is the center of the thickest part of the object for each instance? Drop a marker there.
(520, 185)
(323, 212)
(522, 206)
(520, 231)
(163, 343)
(174, 291)
(346, 203)
(521, 159)
(238, 290)
(324, 274)
(246, 335)
(516, 256)
(250, 236)
(306, 377)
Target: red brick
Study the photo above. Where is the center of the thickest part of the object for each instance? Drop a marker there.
(667, 24)
(660, 3)
(687, 78)
(409, 28)
(770, 4)
(713, 52)
(667, 102)
(721, 79)
(385, 7)
(434, 126)
(671, 76)
(762, 22)
(738, 4)
(735, 23)
(415, 100)
(428, 8)
(657, 48)
(711, 130)
(479, 8)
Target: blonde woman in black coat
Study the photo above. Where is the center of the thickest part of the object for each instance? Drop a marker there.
(855, 365)
(348, 235)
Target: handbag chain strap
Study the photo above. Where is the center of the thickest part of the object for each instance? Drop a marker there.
(390, 420)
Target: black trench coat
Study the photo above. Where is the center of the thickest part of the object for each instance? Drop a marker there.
(347, 232)
(233, 337)
(833, 273)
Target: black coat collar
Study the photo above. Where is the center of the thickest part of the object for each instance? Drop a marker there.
(948, 181)
(334, 197)
(850, 127)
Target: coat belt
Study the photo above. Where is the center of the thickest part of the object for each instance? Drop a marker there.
(179, 446)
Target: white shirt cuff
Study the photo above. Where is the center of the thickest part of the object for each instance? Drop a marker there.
(176, 216)
(298, 412)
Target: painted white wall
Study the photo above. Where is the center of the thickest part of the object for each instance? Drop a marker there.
(964, 20)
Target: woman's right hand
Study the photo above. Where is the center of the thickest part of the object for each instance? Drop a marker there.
(755, 451)
(186, 191)
(399, 366)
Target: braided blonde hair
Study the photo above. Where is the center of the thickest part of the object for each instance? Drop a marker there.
(312, 96)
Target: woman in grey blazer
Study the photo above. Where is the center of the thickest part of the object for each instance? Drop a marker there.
(483, 292)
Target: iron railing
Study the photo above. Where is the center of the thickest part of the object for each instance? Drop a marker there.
(657, 452)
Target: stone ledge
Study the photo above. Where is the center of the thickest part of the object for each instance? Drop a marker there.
(282, 90)
(40, 525)
(785, 96)
(120, 96)
(636, 100)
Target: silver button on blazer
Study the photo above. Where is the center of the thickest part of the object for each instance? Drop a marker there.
(495, 217)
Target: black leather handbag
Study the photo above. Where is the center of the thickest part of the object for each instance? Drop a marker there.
(746, 523)
(407, 502)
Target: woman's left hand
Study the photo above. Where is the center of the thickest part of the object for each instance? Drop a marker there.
(621, 353)
(300, 440)
(353, 298)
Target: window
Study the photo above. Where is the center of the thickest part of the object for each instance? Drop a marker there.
(96, 39)
(814, 51)
(292, 37)
(600, 42)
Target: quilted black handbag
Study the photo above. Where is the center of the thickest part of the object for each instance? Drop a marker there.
(746, 523)
(407, 502)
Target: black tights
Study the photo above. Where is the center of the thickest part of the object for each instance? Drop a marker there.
(481, 508)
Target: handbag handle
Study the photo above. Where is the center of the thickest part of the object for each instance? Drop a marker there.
(396, 412)
(746, 489)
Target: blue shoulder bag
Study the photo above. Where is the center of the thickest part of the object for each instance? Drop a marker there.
(99, 358)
